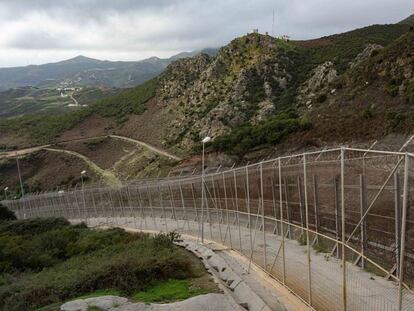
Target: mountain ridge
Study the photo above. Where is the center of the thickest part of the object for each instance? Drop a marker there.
(85, 71)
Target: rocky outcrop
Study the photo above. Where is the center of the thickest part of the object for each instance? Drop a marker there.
(241, 84)
(320, 78)
(365, 54)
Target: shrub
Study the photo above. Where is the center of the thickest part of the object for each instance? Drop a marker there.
(6, 214)
(321, 98)
(409, 93)
(392, 90)
(394, 119)
(268, 132)
(367, 113)
(49, 261)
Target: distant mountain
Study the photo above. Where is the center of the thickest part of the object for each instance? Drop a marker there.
(408, 21)
(84, 71)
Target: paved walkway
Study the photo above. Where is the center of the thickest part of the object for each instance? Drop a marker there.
(365, 291)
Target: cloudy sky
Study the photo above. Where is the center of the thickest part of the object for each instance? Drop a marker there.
(39, 31)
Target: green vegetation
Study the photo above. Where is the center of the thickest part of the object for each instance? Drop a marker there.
(130, 101)
(367, 113)
(394, 119)
(6, 214)
(410, 92)
(47, 261)
(44, 128)
(342, 48)
(33, 100)
(169, 290)
(28, 100)
(268, 132)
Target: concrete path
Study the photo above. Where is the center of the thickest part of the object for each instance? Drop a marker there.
(365, 291)
(208, 302)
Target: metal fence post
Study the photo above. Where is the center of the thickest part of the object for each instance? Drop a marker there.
(316, 206)
(343, 228)
(403, 229)
(281, 223)
(397, 205)
(236, 197)
(307, 229)
(263, 217)
(249, 213)
(363, 204)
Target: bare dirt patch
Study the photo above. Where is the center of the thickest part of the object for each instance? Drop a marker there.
(90, 127)
(105, 151)
(149, 126)
(44, 170)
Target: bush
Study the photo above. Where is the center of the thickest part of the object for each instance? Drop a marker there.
(268, 132)
(321, 98)
(394, 119)
(367, 113)
(409, 93)
(6, 214)
(392, 90)
(62, 261)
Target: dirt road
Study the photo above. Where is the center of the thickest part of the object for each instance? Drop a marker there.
(14, 153)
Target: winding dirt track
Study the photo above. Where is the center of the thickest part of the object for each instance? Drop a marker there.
(107, 175)
(14, 153)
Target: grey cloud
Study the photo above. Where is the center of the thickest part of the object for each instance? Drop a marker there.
(171, 25)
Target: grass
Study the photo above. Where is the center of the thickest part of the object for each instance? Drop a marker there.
(170, 290)
(44, 262)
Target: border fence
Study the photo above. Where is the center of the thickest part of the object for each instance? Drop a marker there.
(335, 227)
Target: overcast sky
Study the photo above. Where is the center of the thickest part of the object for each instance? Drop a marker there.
(40, 31)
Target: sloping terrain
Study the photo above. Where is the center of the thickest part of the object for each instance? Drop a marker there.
(84, 71)
(257, 93)
(33, 100)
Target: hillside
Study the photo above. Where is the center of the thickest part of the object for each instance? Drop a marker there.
(409, 20)
(84, 71)
(33, 100)
(258, 95)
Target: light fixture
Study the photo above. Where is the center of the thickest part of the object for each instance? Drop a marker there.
(83, 172)
(206, 139)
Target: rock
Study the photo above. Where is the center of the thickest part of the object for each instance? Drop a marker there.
(265, 110)
(365, 54)
(209, 302)
(74, 305)
(320, 77)
(104, 302)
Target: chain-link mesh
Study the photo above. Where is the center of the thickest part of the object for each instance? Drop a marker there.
(289, 216)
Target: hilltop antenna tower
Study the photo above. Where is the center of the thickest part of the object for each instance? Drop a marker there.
(273, 23)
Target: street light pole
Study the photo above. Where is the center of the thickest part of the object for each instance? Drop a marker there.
(83, 195)
(204, 141)
(5, 192)
(20, 178)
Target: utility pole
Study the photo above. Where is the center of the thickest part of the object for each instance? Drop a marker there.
(20, 177)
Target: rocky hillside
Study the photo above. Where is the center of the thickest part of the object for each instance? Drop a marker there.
(241, 96)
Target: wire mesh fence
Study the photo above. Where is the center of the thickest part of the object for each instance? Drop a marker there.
(335, 227)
